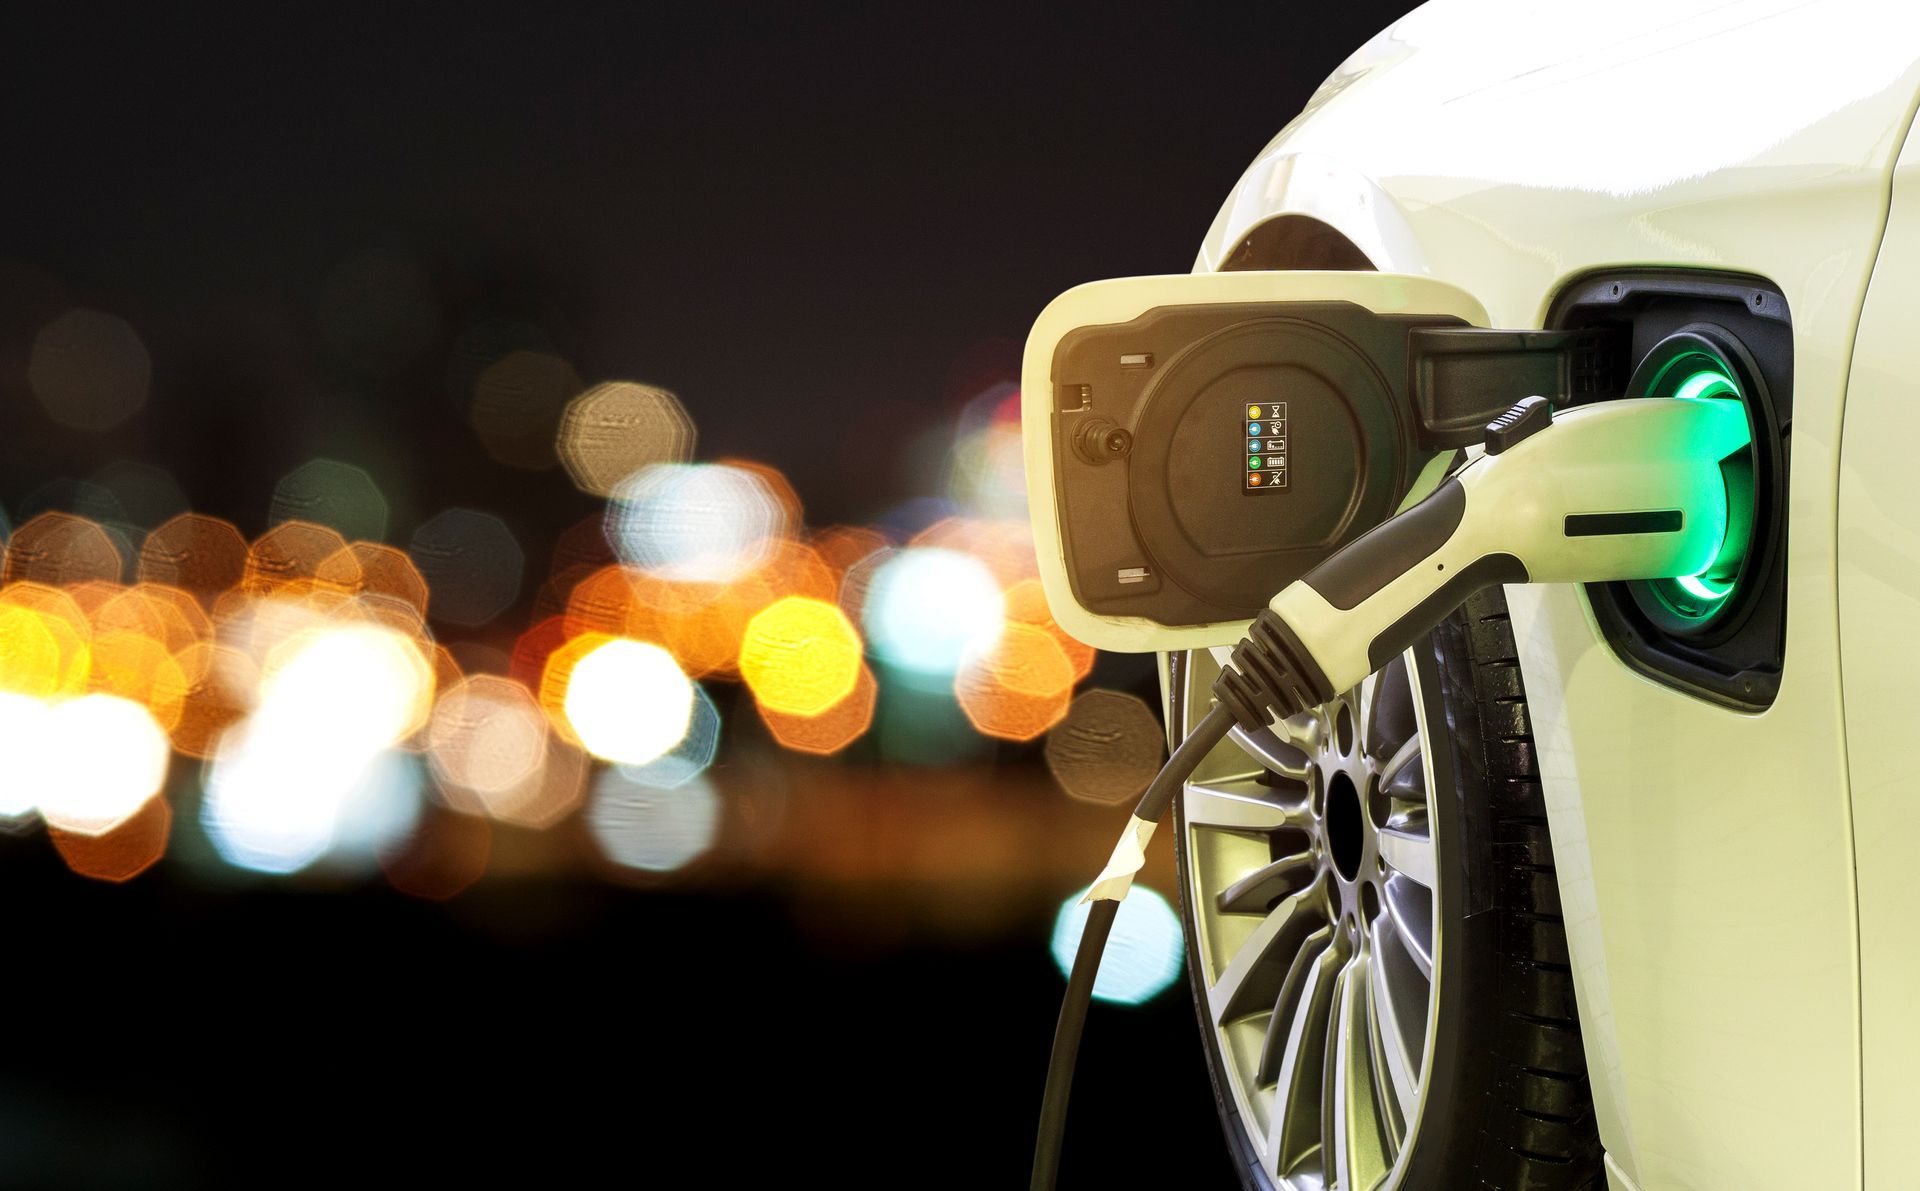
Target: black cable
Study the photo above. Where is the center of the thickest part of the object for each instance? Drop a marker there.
(1093, 944)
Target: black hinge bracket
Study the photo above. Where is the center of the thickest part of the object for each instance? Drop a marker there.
(1464, 377)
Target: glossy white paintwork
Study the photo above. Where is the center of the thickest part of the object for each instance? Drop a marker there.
(1706, 857)
(1880, 661)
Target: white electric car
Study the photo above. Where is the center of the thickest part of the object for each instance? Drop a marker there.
(1601, 884)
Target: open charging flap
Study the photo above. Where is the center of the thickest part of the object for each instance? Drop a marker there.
(1195, 442)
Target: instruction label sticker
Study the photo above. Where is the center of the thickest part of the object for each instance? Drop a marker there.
(1264, 435)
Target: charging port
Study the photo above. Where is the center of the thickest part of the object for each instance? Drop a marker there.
(1720, 633)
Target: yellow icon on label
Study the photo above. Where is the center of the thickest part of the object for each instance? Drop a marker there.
(1253, 411)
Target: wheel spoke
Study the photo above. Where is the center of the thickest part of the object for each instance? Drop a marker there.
(1293, 1133)
(1253, 893)
(1287, 1007)
(1402, 757)
(1241, 805)
(1283, 757)
(1250, 982)
(1396, 1068)
(1409, 854)
(1390, 719)
(1410, 909)
(1350, 1116)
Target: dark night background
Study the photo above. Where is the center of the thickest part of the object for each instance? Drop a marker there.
(825, 229)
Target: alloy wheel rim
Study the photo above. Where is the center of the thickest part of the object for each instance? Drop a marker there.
(1311, 878)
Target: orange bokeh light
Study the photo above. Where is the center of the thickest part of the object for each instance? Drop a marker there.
(1019, 687)
(369, 568)
(44, 642)
(557, 673)
(169, 615)
(1006, 547)
(290, 552)
(800, 656)
(61, 548)
(122, 853)
(220, 681)
(828, 733)
(140, 669)
(202, 555)
(1027, 604)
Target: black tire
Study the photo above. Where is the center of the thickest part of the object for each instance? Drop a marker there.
(1508, 1104)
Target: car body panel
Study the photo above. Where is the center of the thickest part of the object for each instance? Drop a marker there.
(1706, 856)
(1879, 537)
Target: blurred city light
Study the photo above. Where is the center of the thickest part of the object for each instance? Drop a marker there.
(1144, 952)
(987, 472)
(202, 555)
(628, 701)
(122, 853)
(515, 406)
(834, 729)
(928, 605)
(692, 756)
(646, 827)
(800, 656)
(57, 548)
(331, 493)
(1016, 686)
(364, 686)
(613, 430)
(1027, 604)
(695, 522)
(363, 568)
(103, 758)
(89, 369)
(147, 495)
(487, 744)
(23, 755)
(1107, 749)
(288, 554)
(471, 564)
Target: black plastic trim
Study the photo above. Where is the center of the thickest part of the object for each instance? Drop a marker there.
(1485, 571)
(1734, 659)
(1603, 525)
(1465, 377)
(1389, 549)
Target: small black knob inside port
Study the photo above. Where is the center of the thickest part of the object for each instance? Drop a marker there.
(1098, 440)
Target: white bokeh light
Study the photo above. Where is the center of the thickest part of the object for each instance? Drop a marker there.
(629, 702)
(695, 522)
(928, 605)
(649, 828)
(104, 758)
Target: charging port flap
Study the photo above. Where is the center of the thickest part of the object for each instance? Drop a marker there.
(1196, 442)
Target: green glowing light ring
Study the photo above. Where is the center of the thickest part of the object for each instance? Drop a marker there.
(1697, 597)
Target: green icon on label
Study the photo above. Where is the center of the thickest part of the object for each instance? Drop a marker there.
(1253, 463)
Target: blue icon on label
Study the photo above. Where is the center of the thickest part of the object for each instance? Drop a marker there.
(1253, 427)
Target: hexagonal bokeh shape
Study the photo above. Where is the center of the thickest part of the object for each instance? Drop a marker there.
(331, 493)
(826, 734)
(290, 552)
(1107, 749)
(472, 565)
(200, 554)
(613, 430)
(1018, 687)
(59, 549)
(517, 404)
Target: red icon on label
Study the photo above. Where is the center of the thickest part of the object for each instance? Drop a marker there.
(1253, 479)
